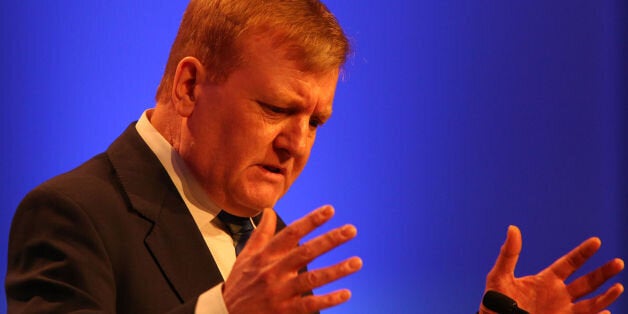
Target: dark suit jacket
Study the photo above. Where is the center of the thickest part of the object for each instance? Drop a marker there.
(112, 235)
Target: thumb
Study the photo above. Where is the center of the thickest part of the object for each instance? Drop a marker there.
(263, 233)
(509, 254)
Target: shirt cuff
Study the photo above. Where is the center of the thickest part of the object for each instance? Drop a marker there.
(211, 302)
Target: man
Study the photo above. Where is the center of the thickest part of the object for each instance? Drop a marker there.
(141, 227)
(136, 229)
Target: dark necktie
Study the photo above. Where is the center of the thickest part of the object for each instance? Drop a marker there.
(239, 227)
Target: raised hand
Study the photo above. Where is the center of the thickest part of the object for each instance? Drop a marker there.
(265, 277)
(547, 292)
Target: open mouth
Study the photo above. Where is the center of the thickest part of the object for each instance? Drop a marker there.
(272, 169)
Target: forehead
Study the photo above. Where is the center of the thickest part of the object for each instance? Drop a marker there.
(270, 67)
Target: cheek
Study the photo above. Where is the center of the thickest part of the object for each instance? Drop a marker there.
(240, 138)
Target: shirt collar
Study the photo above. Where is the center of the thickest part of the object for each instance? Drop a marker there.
(200, 205)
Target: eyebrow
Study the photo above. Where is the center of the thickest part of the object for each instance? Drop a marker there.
(323, 116)
(293, 96)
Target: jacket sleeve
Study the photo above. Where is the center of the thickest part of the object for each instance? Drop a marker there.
(58, 261)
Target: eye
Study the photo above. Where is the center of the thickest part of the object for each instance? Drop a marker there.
(272, 109)
(315, 123)
(277, 109)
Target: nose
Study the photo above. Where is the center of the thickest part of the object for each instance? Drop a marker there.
(295, 138)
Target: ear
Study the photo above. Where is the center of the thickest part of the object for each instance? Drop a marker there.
(187, 79)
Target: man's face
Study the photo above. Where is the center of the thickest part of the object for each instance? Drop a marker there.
(249, 137)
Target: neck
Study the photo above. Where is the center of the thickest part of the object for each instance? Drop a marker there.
(165, 120)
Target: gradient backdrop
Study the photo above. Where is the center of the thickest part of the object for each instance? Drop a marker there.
(455, 119)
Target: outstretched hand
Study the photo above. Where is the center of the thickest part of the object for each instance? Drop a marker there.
(265, 277)
(547, 292)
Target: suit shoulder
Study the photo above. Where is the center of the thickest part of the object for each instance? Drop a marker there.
(93, 176)
(92, 183)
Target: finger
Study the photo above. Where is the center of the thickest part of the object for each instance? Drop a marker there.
(262, 234)
(316, 278)
(288, 238)
(314, 303)
(302, 255)
(593, 280)
(508, 255)
(599, 302)
(570, 262)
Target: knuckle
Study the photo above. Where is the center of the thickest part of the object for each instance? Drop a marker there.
(338, 237)
(258, 260)
(307, 305)
(573, 262)
(292, 233)
(310, 280)
(581, 257)
(292, 306)
(266, 278)
(259, 236)
(594, 279)
(306, 252)
(325, 277)
(319, 218)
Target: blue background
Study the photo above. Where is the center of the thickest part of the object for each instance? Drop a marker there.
(454, 119)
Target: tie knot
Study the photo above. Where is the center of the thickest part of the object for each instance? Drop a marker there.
(240, 228)
(236, 225)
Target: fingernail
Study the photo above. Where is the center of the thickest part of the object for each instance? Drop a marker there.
(355, 263)
(349, 231)
(345, 295)
(620, 263)
(327, 211)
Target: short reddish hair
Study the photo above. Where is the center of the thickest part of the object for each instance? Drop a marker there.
(213, 31)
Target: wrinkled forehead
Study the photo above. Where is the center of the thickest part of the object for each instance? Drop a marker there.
(274, 68)
(275, 51)
(313, 56)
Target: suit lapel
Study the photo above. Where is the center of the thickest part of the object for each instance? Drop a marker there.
(182, 255)
(174, 241)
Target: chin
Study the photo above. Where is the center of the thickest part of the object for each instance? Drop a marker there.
(263, 203)
(252, 206)
(252, 197)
